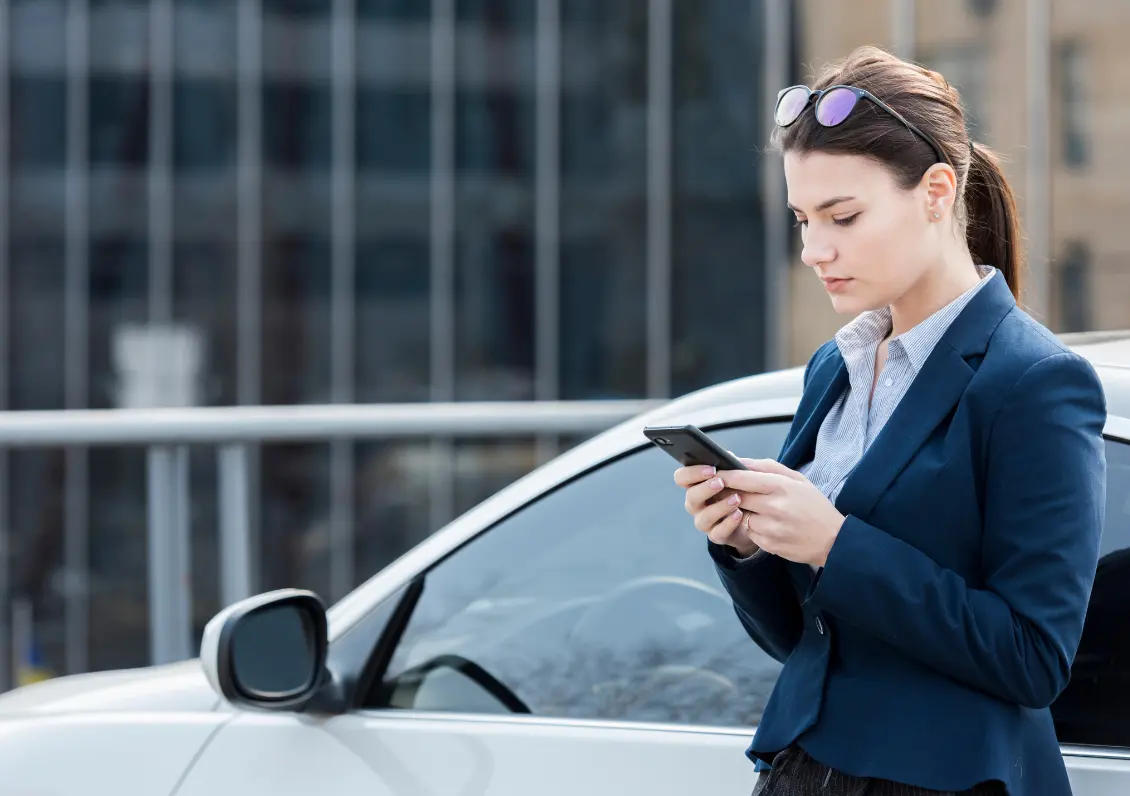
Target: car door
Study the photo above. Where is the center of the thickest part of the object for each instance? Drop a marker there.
(1092, 715)
(582, 645)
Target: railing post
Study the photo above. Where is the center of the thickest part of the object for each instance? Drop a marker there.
(7, 646)
(7, 677)
(23, 636)
(170, 574)
(235, 507)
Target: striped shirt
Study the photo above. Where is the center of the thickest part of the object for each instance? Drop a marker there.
(857, 417)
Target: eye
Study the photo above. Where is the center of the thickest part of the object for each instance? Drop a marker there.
(845, 222)
(800, 222)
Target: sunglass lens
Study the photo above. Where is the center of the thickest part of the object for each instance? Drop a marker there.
(790, 105)
(835, 106)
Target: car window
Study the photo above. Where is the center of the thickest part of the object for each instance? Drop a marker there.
(597, 601)
(1092, 710)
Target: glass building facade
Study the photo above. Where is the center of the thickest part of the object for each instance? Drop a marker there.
(316, 201)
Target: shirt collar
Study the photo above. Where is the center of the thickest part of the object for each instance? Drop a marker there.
(867, 330)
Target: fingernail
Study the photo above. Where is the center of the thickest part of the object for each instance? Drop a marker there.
(708, 471)
(736, 515)
(716, 483)
(734, 500)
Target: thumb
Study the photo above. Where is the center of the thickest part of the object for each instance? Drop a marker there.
(772, 466)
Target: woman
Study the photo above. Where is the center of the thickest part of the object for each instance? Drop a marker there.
(921, 556)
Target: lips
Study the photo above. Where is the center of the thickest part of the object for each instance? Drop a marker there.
(831, 283)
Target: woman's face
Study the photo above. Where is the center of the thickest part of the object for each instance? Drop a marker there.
(868, 240)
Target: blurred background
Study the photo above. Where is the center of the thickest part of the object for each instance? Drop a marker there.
(221, 202)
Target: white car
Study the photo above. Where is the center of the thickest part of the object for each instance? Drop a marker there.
(567, 636)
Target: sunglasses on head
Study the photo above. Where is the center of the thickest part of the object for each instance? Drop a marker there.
(834, 104)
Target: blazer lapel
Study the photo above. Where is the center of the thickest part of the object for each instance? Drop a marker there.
(833, 375)
(935, 391)
(933, 394)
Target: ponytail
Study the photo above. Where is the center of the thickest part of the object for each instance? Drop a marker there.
(992, 224)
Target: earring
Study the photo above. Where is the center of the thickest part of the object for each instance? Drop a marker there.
(937, 215)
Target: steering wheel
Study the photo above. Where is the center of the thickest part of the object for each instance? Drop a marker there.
(416, 678)
(641, 598)
(634, 620)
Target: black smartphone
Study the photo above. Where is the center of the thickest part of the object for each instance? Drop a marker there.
(688, 445)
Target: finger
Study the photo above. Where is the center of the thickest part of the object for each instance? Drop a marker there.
(769, 534)
(696, 474)
(769, 542)
(725, 529)
(749, 481)
(717, 496)
(713, 514)
(758, 503)
(698, 495)
(772, 466)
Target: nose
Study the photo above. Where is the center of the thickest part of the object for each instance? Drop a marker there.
(816, 252)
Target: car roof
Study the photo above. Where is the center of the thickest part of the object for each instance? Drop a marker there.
(1107, 349)
(1108, 352)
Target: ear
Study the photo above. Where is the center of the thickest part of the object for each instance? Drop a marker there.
(939, 185)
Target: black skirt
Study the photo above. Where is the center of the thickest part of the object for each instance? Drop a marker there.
(795, 773)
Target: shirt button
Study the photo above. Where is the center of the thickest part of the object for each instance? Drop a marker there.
(889, 383)
(819, 626)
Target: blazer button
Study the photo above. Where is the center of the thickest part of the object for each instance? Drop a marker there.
(819, 626)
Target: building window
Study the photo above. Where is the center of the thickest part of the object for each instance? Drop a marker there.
(964, 66)
(1073, 113)
(1075, 288)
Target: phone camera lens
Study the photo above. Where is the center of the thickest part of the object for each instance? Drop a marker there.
(663, 440)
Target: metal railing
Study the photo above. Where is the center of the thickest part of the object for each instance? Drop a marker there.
(166, 433)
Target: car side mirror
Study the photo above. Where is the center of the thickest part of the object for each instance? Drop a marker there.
(268, 651)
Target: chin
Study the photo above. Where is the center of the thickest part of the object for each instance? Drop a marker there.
(849, 305)
(850, 302)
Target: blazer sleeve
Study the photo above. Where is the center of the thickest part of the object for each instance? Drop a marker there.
(1044, 503)
(765, 600)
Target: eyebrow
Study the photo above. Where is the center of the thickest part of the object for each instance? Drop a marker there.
(835, 200)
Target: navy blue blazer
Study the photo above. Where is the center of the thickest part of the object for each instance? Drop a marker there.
(945, 621)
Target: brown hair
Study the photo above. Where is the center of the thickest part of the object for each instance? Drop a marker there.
(986, 207)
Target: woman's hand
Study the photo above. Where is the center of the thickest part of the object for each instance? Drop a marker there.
(714, 508)
(788, 516)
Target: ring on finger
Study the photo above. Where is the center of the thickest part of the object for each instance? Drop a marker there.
(745, 522)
